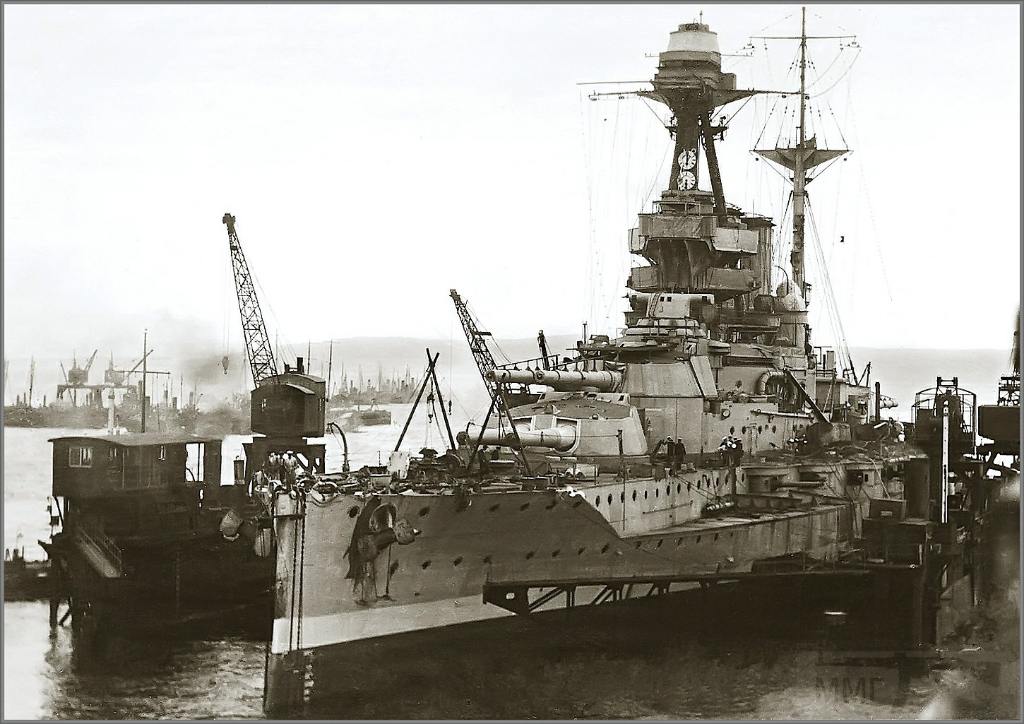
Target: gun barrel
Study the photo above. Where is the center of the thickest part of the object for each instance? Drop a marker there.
(604, 381)
(560, 438)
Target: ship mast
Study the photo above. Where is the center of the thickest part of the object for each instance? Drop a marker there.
(796, 256)
(804, 157)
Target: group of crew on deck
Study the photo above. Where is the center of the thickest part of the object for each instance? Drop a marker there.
(672, 452)
(284, 467)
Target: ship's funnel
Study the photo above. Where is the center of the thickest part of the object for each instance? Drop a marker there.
(560, 438)
(560, 381)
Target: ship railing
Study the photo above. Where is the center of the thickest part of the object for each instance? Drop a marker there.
(102, 542)
(551, 362)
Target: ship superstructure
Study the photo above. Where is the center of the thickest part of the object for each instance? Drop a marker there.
(697, 446)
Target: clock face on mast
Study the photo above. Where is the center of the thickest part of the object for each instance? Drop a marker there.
(687, 180)
(688, 158)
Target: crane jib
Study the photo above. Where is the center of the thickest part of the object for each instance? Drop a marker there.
(258, 349)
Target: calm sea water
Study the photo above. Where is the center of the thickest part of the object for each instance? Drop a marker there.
(222, 677)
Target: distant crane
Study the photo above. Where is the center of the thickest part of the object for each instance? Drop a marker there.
(257, 341)
(485, 363)
(117, 378)
(79, 376)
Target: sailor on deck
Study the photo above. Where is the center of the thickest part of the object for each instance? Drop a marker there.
(731, 450)
(290, 465)
(273, 466)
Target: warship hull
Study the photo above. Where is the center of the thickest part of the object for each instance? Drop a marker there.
(478, 557)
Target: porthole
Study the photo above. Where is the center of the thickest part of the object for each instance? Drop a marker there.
(554, 553)
(634, 494)
(639, 544)
(743, 430)
(668, 489)
(494, 507)
(659, 544)
(609, 498)
(773, 428)
(424, 511)
(732, 430)
(689, 486)
(425, 565)
(353, 511)
(597, 502)
(679, 542)
(487, 559)
(716, 536)
(579, 551)
(656, 491)
(529, 555)
(645, 495)
(759, 429)
(392, 568)
(457, 561)
(524, 506)
(604, 548)
(698, 483)
(622, 497)
(698, 540)
(679, 488)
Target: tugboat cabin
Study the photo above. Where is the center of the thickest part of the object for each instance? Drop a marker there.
(134, 481)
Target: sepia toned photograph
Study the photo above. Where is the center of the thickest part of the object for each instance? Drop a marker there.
(511, 361)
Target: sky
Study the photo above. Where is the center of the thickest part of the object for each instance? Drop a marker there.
(377, 156)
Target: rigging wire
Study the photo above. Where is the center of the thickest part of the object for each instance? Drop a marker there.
(822, 75)
(830, 300)
(840, 78)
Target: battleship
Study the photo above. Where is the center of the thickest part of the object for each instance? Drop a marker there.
(710, 441)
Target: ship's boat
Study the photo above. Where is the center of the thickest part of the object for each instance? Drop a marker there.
(372, 416)
(708, 441)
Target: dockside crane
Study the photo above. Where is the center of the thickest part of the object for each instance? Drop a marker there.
(258, 349)
(285, 416)
(485, 363)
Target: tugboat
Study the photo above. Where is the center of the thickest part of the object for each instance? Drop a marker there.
(709, 442)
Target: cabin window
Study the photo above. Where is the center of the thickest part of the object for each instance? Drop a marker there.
(80, 456)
